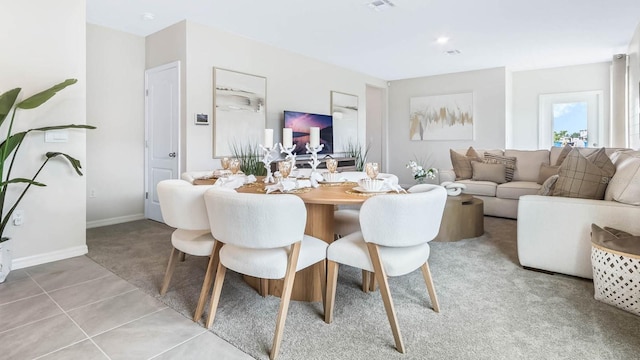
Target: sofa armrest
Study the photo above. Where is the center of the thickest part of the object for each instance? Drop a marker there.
(554, 233)
(447, 175)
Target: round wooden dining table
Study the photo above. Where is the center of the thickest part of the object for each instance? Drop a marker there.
(320, 203)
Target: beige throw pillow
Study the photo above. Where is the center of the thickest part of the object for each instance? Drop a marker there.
(581, 178)
(609, 240)
(509, 163)
(462, 163)
(488, 172)
(624, 186)
(563, 154)
(547, 171)
(548, 186)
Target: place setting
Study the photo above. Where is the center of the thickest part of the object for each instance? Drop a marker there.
(372, 185)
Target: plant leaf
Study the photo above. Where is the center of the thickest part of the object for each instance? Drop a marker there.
(41, 97)
(74, 162)
(58, 127)
(6, 102)
(14, 141)
(22, 180)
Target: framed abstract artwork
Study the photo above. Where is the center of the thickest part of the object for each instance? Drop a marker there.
(239, 102)
(441, 117)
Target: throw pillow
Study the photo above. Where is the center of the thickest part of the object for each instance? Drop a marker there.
(608, 240)
(563, 154)
(462, 163)
(580, 178)
(509, 163)
(548, 186)
(547, 171)
(624, 186)
(489, 172)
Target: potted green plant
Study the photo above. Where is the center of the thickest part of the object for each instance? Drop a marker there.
(8, 150)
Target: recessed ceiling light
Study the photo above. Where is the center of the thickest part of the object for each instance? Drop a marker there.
(148, 16)
(453, 52)
(379, 5)
(442, 40)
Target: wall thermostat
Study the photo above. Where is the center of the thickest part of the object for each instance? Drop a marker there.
(202, 119)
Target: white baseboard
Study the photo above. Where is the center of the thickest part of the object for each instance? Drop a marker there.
(115, 220)
(32, 260)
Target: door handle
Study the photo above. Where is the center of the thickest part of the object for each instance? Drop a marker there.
(172, 154)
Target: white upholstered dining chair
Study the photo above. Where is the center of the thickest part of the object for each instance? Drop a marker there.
(346, 220)
(182, 206)
(263, 237)
(394, 241)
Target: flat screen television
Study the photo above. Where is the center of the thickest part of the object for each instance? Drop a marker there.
(300, 122)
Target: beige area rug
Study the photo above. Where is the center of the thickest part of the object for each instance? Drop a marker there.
(491, 308)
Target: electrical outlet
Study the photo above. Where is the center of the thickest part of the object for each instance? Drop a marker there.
(92, 193)
(18, 217)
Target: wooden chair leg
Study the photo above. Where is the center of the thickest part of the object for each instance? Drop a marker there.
(323, 283)
(381, 275)
(289, 277)
(208, 280)
(215, 294)
(365, 280)
(264, 287)
(173, 260)
(183, 256)
(332, 278)
(426, 273)
(372, 282)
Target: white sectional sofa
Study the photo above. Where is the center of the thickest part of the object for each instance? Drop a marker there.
(554, 231)
(502, 199)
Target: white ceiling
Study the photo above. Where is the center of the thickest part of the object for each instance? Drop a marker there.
(399, 42)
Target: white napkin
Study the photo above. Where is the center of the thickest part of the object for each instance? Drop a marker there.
(388, 185)
(288, 184)
(453, 188)
(235, 181)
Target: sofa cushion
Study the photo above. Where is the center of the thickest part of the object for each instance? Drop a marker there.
(515, 189)
(548, 186)
(547, 171)
(528, 163)
(508, 161)
(488, 172)
(624, 186)
(462, 163)
(483, 188)
(582, 177)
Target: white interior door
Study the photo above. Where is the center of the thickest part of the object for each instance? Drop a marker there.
(162, 132)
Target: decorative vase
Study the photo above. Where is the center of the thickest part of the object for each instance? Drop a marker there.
(5, 259)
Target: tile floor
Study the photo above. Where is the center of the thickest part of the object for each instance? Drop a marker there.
(76, 309)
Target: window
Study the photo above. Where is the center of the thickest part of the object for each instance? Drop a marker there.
(574, 118)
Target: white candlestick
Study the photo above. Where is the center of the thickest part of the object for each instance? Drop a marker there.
(314, 136)
(287, 137)
(268, 138)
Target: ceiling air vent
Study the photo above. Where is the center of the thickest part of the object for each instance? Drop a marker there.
(380, 5)
(452, 52)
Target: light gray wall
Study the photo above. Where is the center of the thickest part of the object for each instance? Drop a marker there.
(115, 105)
(489, 111)
(294, 82)
(529, 85)
(634, 89)
(43, 44)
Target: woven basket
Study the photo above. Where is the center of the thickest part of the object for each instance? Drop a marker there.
(616, 278)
